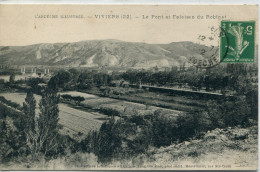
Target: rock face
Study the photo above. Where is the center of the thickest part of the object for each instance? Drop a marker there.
(111, 53)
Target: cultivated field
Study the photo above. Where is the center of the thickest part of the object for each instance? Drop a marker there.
(162, 99)
(72, 120)
(76, 121)
(124, 107)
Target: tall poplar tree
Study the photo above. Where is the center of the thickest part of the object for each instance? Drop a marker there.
(29, 111)
(48, 121)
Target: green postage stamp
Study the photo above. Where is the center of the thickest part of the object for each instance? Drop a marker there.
(237, 43)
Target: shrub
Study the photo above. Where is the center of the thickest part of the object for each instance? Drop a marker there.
(109, 111)
(163, 129)
(12, 142)
(77, 98)
(229, 112)
(124, 138)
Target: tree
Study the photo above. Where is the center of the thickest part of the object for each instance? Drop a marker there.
(109, 140)
(252, 101)
(29, 111)
(42, 133)
(11, 142)
(60, 80)
(74, 75)
(102, 79)
(12, 78)
(85, 80)
(34, 84)
(229, 112)
(3, 145)
(163, 129)
(48, 121)
(30, 125)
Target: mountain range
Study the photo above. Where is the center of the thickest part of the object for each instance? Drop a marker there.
(96, 53)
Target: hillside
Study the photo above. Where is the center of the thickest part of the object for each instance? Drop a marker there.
(226, 149)
(112, 53)
(220, 149)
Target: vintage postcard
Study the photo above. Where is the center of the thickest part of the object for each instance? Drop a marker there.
(151, 87)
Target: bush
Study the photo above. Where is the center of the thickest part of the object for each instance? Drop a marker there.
(229, 112)
(109, 111)
(163, 129)
(77, 98)
(12, 142)
(190, 125)
(125, 138)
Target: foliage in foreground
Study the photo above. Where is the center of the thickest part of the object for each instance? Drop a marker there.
(124, 138)
(118, 139)
(28, 135)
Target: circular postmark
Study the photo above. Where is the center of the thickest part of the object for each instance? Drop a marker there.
(206, 55)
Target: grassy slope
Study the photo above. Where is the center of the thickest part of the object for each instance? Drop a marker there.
(222, 148)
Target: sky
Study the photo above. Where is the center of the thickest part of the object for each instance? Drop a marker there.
(22, 24)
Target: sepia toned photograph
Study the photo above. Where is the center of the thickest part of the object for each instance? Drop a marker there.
(128, 87)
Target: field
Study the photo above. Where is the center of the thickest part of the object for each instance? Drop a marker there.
(176, 102)
(167, 100)
(87, 116)
(125, 108)
(72, 120)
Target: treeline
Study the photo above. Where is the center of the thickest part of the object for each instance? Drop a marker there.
(79, 79)
(211, 79)
(224, 78)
